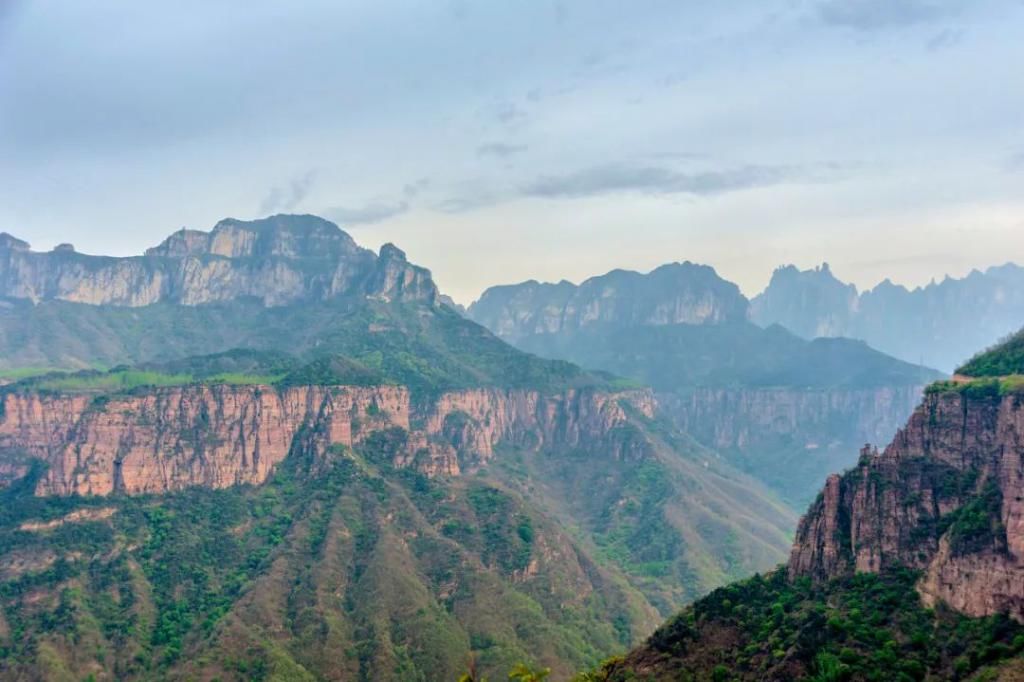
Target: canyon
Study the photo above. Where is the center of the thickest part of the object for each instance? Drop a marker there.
(216, 436)
(786, 410)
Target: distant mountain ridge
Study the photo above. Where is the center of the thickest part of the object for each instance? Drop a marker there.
(787, 410)
(939, 325)
(676, 293)
(278, 260)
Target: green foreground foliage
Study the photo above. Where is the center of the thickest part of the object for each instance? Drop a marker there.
(358, 341)
(865, 627)
(1003, 360)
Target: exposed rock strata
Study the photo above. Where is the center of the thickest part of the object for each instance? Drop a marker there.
(278, 260)
(946, 497)
(218, 436)
(746, 418)
(677, 293)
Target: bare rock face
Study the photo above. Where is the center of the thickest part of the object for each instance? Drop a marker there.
(748, 417)
(946, 497)
(278, 260)
(678, 293)
(219, 436)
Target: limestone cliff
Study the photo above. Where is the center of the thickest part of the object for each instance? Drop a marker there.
(751, 418)
(946, 497)
(677, 293)
(218, 436)
(278, 260)
(791, 438)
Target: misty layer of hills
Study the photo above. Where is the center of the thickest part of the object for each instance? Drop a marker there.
(940, 325)
(786, 409)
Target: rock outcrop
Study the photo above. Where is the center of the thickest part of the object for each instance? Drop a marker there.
(220, 435)
(279, 260)
(945, 497)
(677, 293)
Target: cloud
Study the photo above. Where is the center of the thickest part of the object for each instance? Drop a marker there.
(947, 37)
(284, 199)
(366, 215)
(873, 15)
(1015, 162)
(654, 180)
(500, 149)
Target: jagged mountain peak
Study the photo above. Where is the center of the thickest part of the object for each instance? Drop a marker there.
(8, 242)
(674, 293)
(284, 235)
(939, 324)
(278, 260)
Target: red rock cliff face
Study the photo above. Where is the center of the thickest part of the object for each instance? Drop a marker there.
(946, 497)
(218, 436)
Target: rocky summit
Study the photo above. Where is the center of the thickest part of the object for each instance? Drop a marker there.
(278, 260)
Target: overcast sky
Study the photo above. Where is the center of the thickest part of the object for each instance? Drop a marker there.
(502, 140)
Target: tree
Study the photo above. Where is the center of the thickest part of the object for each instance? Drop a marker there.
(523, 673)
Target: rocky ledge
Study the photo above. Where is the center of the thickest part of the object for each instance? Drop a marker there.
(946, 497)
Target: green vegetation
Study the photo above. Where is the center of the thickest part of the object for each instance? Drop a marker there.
(365, 572)
(978, 524)
(19, 373)
(735, 354)
(865, 627)
(1004, 359)
(980, 389)
(124, 379)
(361, 341)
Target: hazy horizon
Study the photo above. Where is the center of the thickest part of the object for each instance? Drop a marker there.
(555, 140)
(843, 277)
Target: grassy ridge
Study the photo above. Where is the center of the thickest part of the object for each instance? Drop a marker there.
(425, 348)
(1004, 359)
(990, 387)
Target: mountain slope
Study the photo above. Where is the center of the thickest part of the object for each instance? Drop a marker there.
(907, 566)
(355, 482)
(939, 325)
(328, 532)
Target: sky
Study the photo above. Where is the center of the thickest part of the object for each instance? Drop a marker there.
(503, 140)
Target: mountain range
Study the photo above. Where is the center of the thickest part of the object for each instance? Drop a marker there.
(787, 410)
(263, 452)
(939, 325)
(906, 567)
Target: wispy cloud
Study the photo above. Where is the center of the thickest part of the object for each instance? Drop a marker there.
(654, 180)
(872, 15)
(500, 149)
(366, 215)
(286, 198)
(1015, 162)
